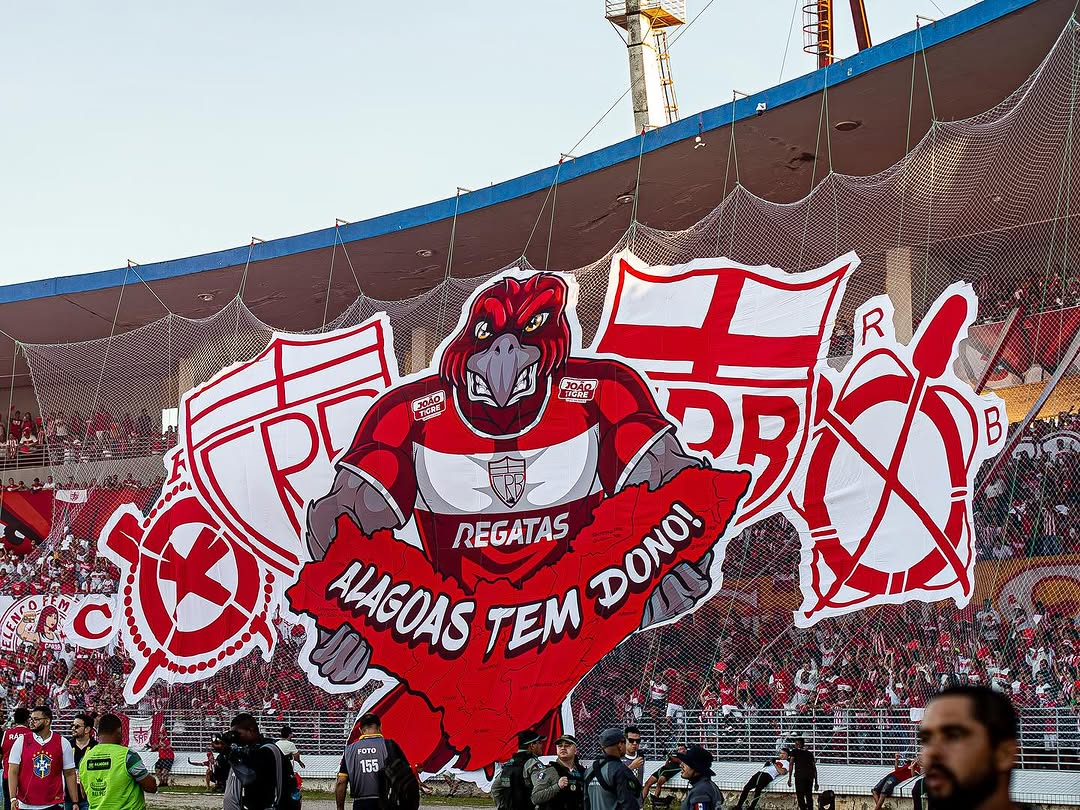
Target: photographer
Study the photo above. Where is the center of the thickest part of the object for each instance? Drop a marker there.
(263, 776)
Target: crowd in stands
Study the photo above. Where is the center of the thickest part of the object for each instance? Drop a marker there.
(67, 562)
(51, 672)
(1032, 507)
(59, 438)
(1034, 290)
(851, 673)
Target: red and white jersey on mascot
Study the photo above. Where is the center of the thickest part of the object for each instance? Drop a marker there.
(497, 495)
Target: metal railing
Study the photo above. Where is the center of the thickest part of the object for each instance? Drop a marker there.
(1049, 738)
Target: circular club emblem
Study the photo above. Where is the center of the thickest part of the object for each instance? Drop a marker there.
(927, 503)
(34, 621)
(193, 597)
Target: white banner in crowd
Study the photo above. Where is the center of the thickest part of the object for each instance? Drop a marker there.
(71, 495)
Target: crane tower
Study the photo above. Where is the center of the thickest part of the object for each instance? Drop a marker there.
(651, 85)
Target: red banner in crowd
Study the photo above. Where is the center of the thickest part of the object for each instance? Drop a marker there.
(1037, 340)
(27, 517)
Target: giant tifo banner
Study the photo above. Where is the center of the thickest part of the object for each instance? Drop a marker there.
(474, 538)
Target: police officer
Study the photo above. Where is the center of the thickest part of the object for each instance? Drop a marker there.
(558, 786)
(512, 789)
(370, 766)
(695, 763)
(609, 784)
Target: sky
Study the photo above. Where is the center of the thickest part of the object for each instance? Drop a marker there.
(155, 131)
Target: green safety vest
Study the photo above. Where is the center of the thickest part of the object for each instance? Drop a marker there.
(104, 775)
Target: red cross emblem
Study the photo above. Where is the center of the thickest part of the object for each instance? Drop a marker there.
(192, 598)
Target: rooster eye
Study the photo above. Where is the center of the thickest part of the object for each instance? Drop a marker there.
(536, 321)
(482, 331)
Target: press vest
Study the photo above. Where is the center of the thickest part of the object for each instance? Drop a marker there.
(106, 781)
(41, 773)
(364, 761)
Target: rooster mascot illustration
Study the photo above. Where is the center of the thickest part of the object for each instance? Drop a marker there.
(499, 459)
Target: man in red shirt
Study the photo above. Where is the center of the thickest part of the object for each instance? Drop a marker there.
(901, 773)
(18, 728)
(41, 766)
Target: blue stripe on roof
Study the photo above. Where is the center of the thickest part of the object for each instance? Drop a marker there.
(900, 47)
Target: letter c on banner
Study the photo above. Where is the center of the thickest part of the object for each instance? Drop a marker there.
(91, 622)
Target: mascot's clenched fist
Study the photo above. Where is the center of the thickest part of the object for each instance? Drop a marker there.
(502, 456)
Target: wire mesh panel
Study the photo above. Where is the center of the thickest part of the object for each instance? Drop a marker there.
(987, 200)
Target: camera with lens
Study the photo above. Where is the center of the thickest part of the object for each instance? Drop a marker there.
(236, 751)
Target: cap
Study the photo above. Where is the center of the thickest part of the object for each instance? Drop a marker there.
(567, 738)
(697, 758)
(611, 736)
(529, 737)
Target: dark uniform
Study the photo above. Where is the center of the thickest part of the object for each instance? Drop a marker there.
(703, 794)
(610, 785)
(512, 789)
(364, 764)
(804, 772)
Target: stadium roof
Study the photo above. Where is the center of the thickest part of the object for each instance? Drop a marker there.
(975, 58)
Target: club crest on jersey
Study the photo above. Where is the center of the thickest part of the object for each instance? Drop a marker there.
(42, 764)
(507, 479)
(429, 406)
(575, 389)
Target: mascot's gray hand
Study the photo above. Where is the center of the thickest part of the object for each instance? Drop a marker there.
(342, 656)
(678, 591)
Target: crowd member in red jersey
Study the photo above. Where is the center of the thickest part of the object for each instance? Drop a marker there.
(41, 766)
(19, 727)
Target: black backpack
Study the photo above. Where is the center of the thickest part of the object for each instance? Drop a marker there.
(513, 772)
(399, 788)
(287, 791)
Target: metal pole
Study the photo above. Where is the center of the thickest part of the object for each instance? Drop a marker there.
(635, 48)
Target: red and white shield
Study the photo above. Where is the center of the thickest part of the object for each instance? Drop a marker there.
(288, 412)
(507, 477)
(768, 329)
(192, 598)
